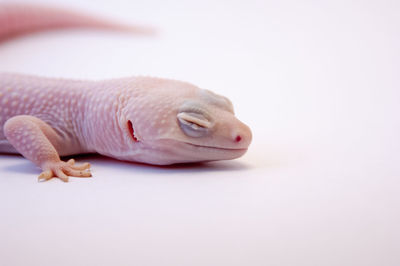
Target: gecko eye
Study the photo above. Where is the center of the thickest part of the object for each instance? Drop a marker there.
(193, 124)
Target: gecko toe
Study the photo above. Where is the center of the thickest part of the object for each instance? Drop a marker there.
(46, 175)
(60, 174)
(74, 166)
(84, 166)
(77, 173)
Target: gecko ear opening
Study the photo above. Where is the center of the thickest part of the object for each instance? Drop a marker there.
(193, 124)
(132, 131)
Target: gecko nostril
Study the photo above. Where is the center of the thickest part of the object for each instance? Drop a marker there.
(238, 138)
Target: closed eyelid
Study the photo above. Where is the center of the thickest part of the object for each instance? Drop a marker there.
(194, 118)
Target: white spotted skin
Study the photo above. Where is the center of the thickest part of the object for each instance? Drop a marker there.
(45, 99)
(92, 116)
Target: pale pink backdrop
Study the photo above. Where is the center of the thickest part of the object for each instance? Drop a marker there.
(318, 83)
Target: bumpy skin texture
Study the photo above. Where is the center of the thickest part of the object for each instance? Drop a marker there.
(141, 119)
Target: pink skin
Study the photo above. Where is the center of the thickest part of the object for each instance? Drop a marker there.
(140, 119)
(18, 19)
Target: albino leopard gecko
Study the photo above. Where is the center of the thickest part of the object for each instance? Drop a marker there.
(141, 119)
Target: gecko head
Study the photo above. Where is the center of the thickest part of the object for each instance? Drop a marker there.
(188, 125)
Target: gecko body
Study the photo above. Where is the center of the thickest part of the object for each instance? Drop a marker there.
(141, 119)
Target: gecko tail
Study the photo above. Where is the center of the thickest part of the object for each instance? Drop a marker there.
(20, 19)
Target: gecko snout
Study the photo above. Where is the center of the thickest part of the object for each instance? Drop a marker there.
(242, 136)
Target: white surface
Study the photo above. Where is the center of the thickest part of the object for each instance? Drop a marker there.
(318, 83)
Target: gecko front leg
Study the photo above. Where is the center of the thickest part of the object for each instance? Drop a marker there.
(36, 141)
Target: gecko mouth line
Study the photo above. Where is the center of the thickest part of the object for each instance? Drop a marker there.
(215, 148)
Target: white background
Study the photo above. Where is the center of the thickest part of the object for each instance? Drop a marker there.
(318, 83)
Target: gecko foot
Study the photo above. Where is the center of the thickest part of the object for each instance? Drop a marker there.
(64, 169)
